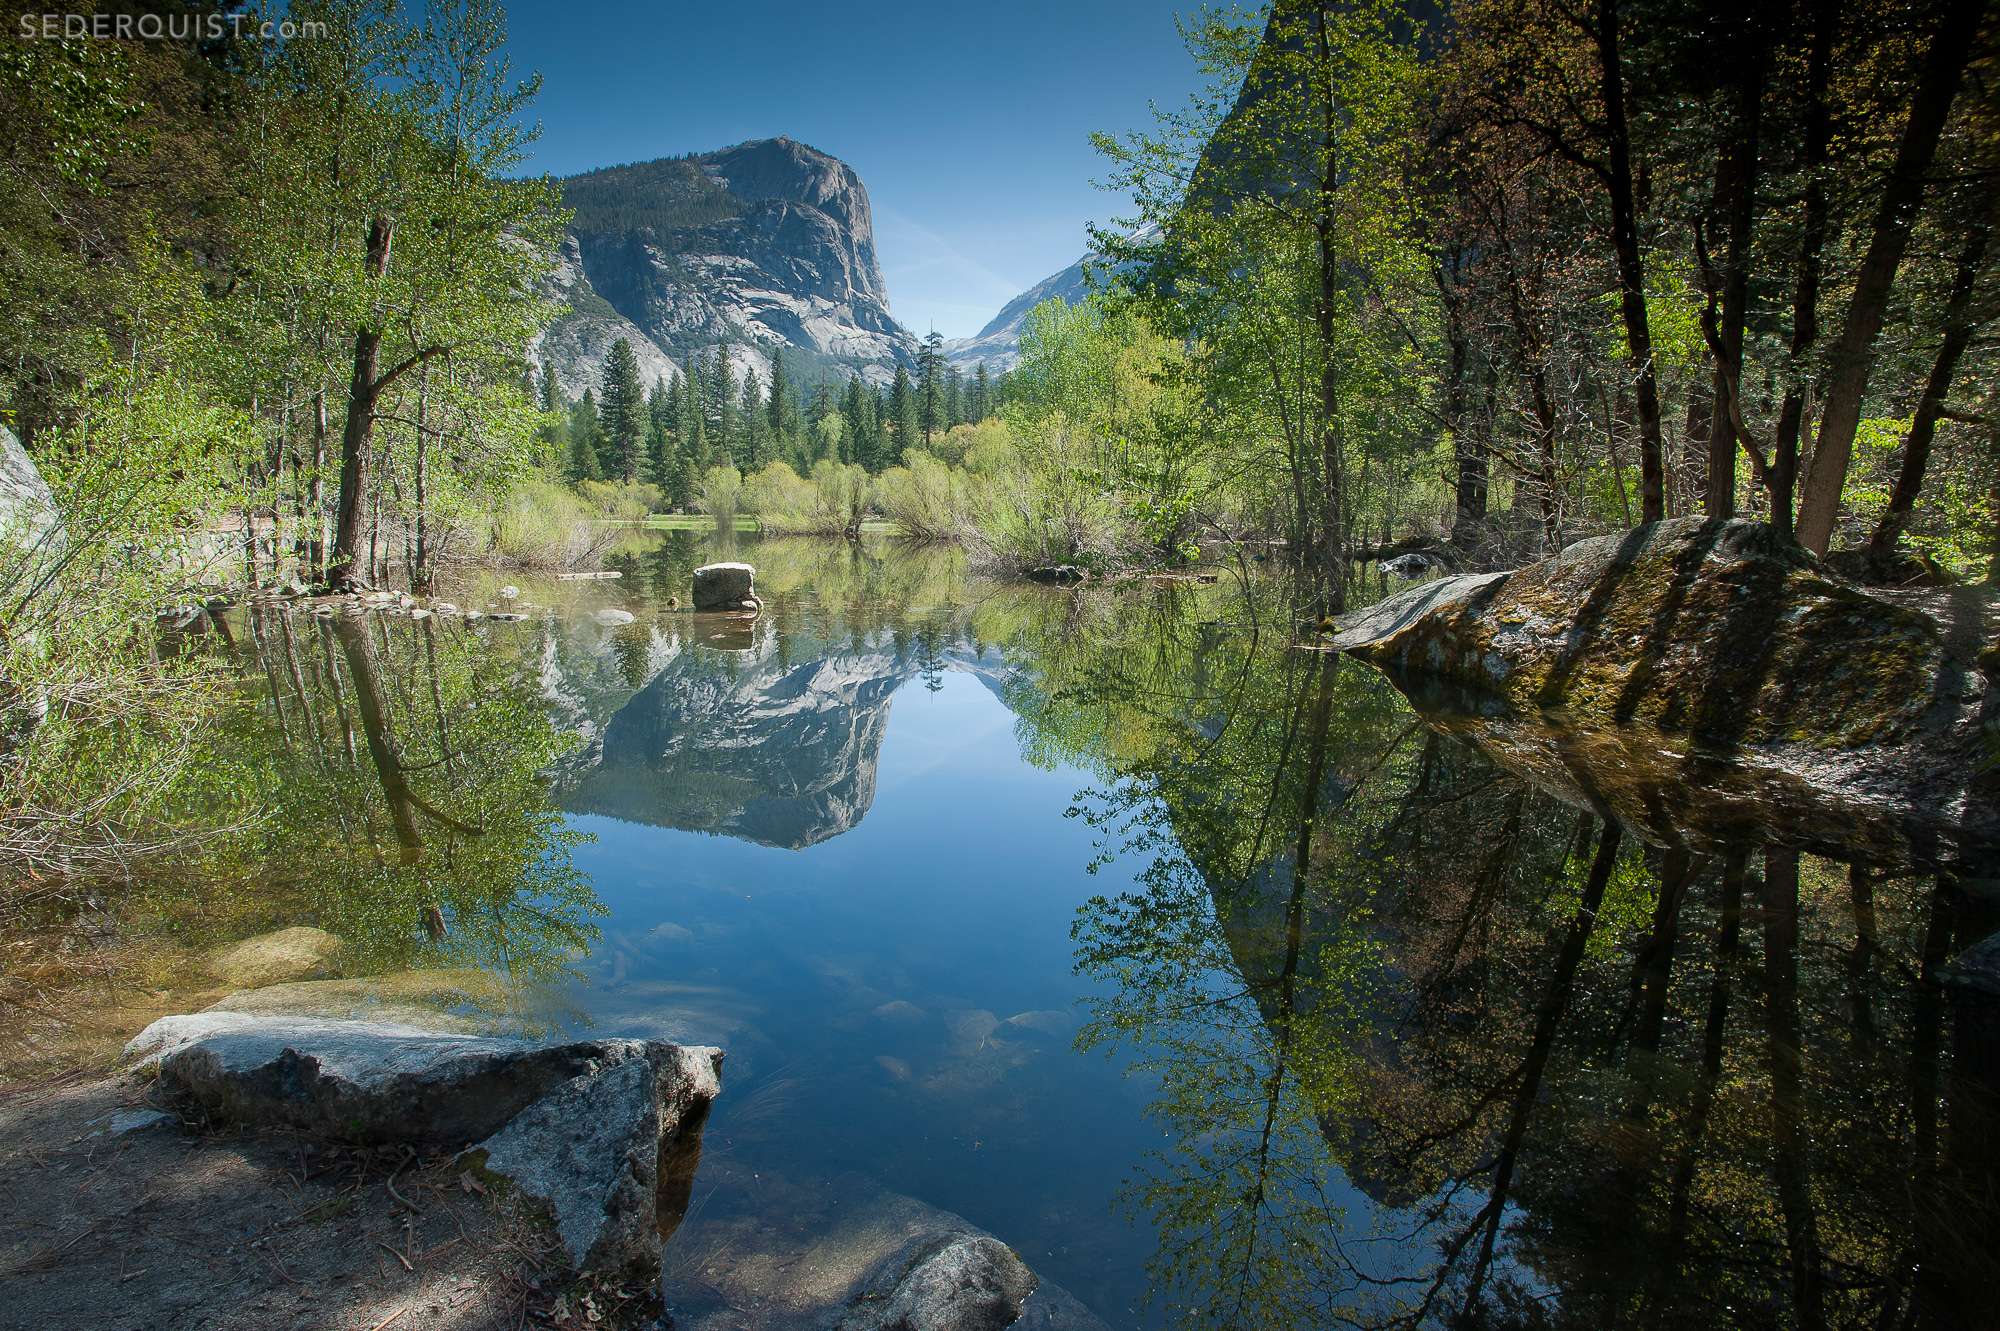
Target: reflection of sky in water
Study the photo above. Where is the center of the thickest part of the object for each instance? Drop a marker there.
(864, 986)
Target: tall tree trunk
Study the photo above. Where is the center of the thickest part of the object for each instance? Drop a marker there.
(1853, 353)
(357, 440)
(1923, 426)
(1333, 557)
(315, 530)
(420, 560)
(1468, 449)
(1805, 293)
(1736, 201)
(1631, 267)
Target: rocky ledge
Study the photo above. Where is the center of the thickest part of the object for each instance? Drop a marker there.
(602, 1133)
(1718, 643)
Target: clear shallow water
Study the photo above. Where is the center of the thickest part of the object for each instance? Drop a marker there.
(1208, 974)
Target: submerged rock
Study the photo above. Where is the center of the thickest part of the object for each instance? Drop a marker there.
(965, 1282)
(467, 1000)
(1714, 643)
(774, 1253)
(724, 586)
(297, 953)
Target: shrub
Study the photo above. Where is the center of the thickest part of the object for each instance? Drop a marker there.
(619, 500)
(1050, 505)
(924, 497)
(544, 524)
(721, 493)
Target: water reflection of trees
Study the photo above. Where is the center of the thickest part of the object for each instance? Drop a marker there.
(396, 767)
(1436, 1047)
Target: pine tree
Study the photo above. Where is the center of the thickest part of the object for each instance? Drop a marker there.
(754, 436)
(549, 396)
(982, 394)
(692, 433)
(907, 415)
(583, 462)
(855, 440)
(586, 432)
(721, 405)
(783, 408)
(623, 441)
(930, 379)
(954, 397)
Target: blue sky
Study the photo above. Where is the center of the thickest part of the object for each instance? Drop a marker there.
(968, 124)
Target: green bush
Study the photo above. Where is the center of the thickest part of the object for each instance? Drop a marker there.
(619, 500)
(927, 499)
(542, 523)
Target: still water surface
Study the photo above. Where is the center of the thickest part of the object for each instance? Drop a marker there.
(1220, 983)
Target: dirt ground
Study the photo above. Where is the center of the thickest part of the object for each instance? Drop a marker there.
(169, 1229)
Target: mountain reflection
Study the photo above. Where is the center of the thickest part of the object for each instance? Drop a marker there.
(770, 750)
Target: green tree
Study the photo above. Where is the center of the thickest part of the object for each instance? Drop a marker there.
(931, 406)
(754, 438)
(907, 416)
(980, 404)
(623, 416)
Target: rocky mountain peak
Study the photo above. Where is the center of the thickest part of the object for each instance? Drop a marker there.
(767, 246)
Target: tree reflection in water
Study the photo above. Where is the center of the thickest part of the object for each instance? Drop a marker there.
(1436, 1046)
(396, 767)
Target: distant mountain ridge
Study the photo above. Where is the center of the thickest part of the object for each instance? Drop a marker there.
(768, 246)
(998, 345)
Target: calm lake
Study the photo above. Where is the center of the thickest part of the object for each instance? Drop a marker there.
(1205, 972)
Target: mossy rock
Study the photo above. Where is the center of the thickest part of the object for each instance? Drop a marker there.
(1719, 640)
(297, 953)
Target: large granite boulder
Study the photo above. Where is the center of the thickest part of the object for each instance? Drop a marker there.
(28, 515)
(590, 1129)
(603, 1150)
(725, 587)
(31, 541)
(1717, 642)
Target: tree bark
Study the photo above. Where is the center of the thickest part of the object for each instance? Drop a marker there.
(1331, 479)
(1469, 499)
(1853, 353)
(1631, 266)
(1736, 199)
(358, 437)
(1805, 294)
(1923, 426)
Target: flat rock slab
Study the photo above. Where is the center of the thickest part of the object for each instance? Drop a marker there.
(724, 586)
